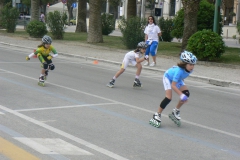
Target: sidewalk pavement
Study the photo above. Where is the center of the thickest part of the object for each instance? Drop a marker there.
(213, 73)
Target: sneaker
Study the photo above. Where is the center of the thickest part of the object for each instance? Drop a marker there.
(157, 116)
(152, 64)
(146, 64)
(176, 113)
(41, 79)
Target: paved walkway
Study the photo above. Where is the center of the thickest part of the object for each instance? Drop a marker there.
(217, 74)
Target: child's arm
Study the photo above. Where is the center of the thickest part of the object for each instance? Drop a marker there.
(183, 97)
(31, 55)
(139, 60)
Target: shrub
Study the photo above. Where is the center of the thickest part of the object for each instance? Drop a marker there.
(132, 30)
(55, 21)
(36, 29)
(206, 45)
(9, 18)
(178, 24)
(108, 23)
(166, 28)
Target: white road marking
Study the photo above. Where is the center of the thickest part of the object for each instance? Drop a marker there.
(52, 146)
(73, 106)
(64, 134)
(138, 108)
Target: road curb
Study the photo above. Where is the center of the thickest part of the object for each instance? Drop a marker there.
(212, 81)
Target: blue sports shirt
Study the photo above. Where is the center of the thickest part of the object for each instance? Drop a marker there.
(176, 74)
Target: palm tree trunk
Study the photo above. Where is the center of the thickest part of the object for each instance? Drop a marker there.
(82, 15)
(190, 20)
(35, 9)
(95, 22)
(1, 7)
(131, 8)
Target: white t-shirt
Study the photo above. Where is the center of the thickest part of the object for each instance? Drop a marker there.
(130, 57)
(152, 31)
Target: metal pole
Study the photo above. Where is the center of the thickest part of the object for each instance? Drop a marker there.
(216, 16)
(143, 9)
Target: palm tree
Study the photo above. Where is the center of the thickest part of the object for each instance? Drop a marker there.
(95, 22)
(190, 19)
(82, 15)
(1, 7)
(35, 9)
(131, 8)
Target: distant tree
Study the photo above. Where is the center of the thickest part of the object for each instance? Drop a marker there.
(115, 4)
(190, 19)
(131, 8)
(35, 9)
(82, 15)
(95, 23)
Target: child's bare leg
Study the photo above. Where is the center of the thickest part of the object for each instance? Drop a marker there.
(119, 72)
(139, 69)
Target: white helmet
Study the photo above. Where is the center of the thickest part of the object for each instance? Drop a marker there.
(46, 39)
(142, 45)
(188, 57)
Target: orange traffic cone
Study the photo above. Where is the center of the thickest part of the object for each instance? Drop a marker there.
(95, 62)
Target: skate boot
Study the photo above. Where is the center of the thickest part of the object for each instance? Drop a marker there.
(46, 74)
(41, 81)
(111, 83)
(137, 83)
(175, 116)
(156, 120)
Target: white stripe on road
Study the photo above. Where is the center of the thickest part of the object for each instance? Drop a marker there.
(73, 106)
(64, 134)
(52, 146)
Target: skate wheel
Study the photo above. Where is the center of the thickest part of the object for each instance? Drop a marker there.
(179, 123)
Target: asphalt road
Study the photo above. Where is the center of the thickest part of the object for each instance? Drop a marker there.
(75, 116)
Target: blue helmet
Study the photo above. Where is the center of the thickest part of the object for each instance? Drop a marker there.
(188, 57)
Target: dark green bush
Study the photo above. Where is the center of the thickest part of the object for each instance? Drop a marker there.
(36, 29)
(132, 30)
(9, 18)
(166, 28)
(108, 23)
(206, 45)
(178, 25)
(56, 22)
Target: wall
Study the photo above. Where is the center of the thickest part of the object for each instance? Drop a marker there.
(230, 31)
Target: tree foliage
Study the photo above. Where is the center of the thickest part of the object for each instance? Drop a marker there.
(132, 30)
(56, 21)
(9, 16)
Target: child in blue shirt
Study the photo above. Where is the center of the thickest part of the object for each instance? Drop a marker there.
(173, 80)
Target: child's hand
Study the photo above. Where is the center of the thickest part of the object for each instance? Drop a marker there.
(49, 57)
(146, 57)
(27, 58)
(183, 97)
